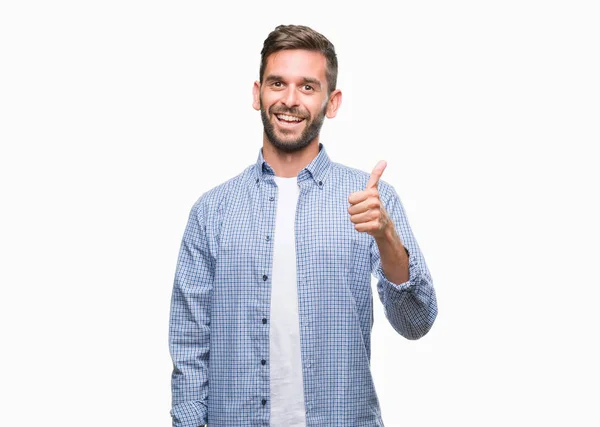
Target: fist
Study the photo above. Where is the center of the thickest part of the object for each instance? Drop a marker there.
(366, 210)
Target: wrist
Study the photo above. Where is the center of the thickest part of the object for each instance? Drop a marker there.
(388, 236)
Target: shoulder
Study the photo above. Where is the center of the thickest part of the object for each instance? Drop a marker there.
(213, 200)
(359, 178)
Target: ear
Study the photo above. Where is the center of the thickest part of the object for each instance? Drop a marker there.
(256, 96)
(334, 103)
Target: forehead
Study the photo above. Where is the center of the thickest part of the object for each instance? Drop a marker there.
(297, 63)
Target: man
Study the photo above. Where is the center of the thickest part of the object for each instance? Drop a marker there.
(272, 310)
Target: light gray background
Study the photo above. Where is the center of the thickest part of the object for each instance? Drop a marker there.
(116, 116)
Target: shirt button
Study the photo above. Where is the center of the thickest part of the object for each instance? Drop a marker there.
(264, 321)
(264, 401)
(320, 182)
(265, 277)
(268, 238)
(263, 362)
(271, 198)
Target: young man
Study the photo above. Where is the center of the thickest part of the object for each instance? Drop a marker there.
(272, 309)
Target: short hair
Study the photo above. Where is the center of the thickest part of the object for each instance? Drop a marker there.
(287, 37)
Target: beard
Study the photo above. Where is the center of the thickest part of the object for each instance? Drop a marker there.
(310, 132)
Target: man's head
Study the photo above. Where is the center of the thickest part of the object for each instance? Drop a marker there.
(289, 37)
(296, 90)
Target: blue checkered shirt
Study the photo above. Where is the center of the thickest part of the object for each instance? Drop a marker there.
(219, 323)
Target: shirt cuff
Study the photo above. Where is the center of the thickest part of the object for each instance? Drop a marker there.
(189, 414)
(397, 291)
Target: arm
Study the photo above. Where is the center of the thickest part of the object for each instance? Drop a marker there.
(410, 305)
(189, 326)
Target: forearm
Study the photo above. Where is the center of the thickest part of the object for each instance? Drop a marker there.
(394, 256)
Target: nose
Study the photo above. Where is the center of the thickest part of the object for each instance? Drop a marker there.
(290, 97)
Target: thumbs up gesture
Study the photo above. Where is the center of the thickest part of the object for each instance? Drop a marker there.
(366, 210)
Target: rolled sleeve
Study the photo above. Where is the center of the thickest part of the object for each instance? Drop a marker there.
(189, 414)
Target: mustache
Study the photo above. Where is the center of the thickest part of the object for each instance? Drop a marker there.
(291, 111)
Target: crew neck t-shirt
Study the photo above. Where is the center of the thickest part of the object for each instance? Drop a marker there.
(287, 391)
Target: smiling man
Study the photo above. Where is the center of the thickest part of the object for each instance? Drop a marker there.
(272, 308)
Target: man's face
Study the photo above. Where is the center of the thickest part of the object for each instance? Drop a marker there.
(293, 98)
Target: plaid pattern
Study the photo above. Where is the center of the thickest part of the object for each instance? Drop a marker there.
(219, 323)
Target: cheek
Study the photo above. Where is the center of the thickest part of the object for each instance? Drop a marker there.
(264, 100)
(312, 108)
(318, 107)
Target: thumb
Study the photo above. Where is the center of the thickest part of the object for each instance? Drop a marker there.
(376, 174)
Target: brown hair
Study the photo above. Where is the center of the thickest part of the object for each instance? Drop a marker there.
(286, 37)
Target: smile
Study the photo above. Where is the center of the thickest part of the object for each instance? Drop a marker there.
(287, 119)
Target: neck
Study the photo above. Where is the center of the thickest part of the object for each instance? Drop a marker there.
(289, 165)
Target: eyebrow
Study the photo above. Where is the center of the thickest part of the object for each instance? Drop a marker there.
(274, 78)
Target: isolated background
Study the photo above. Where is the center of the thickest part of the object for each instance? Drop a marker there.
(116, 116)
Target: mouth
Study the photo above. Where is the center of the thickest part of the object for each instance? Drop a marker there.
(287, 120)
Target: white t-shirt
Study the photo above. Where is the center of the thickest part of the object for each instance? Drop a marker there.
(287, 390)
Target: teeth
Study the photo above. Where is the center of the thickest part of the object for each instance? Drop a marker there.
(289, 118)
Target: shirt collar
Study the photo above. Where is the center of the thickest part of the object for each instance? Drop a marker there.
(317, 169)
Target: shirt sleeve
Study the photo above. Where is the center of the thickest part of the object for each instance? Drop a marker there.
(189, 326)
(410, 307)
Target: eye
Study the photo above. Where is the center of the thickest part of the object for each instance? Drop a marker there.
(308, 88)
(277, 84)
